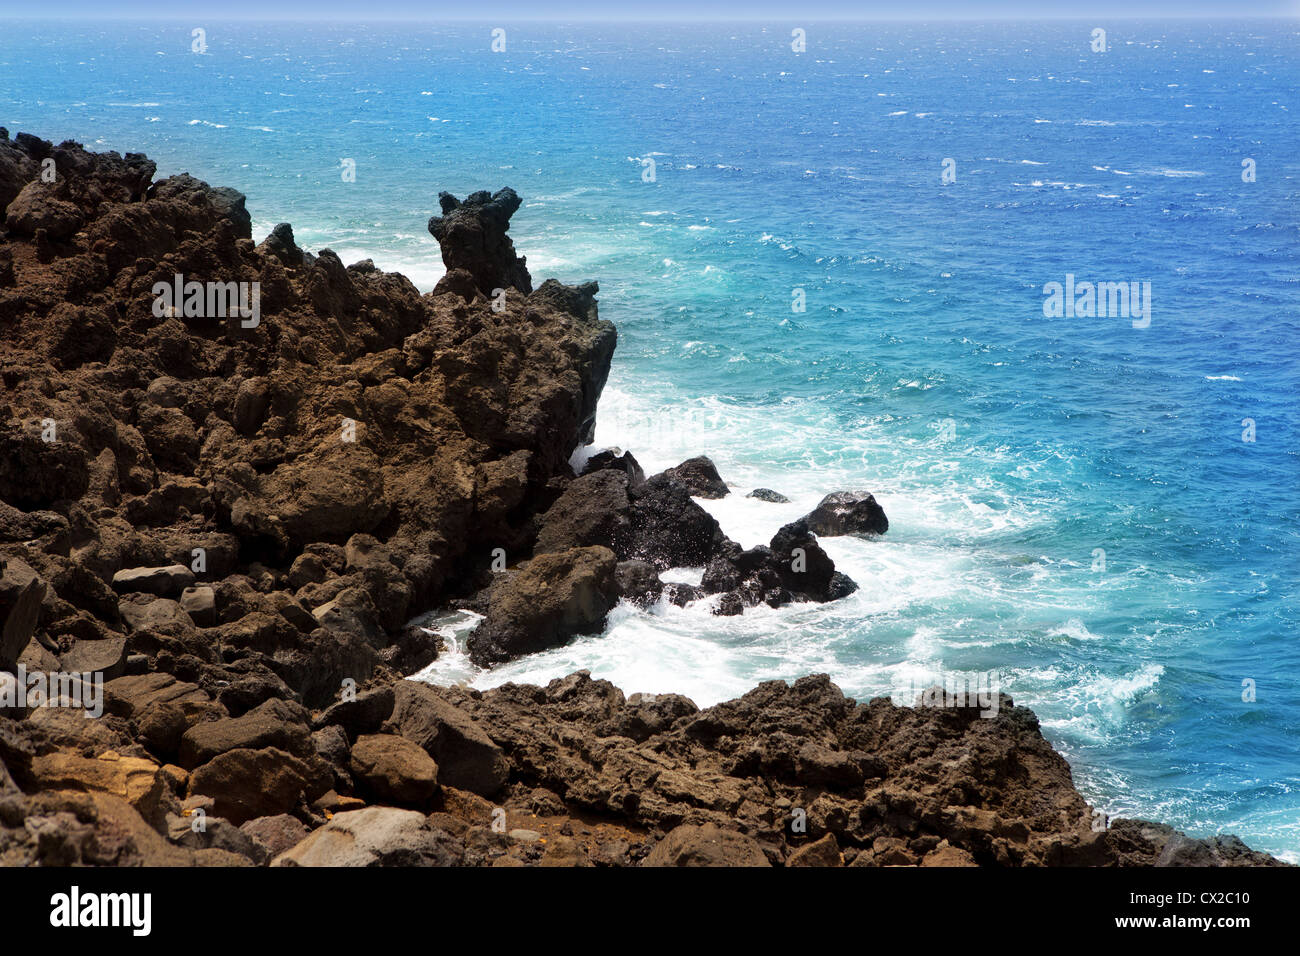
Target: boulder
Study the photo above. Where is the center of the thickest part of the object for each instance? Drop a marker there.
(467, 758)
(363, 714)
(701, 478)
(823, 852)
(847, 512)
(593, 510)
(216, 833)
(708, 845)
(245, 784)
(200, 604)
(393, 769)
(549, 600)
(668, 528)
(39, 207)
(37, 474)
(67, 828)
(375, 836)
(275, 723)
(638, 582)
(948, 855)
(612, 459)
(164, 582)
(21, 592)
(134, 694)
(137, 781)
(276, 833)
(105, 657)
(767, 494)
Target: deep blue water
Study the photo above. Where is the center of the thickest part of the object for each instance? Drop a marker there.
(1006, 447)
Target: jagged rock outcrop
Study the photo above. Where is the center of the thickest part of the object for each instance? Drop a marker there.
(473, 238)
(354, 409)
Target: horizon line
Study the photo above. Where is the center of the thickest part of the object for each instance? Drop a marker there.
(685, 18)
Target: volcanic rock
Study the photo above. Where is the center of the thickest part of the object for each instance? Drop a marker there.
(548, 601)
(847, 512)
(701, 478)
(473, 237)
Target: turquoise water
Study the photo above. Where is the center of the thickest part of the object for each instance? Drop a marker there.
(1006, 447)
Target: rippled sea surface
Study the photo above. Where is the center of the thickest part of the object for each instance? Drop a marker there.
(1073, 507)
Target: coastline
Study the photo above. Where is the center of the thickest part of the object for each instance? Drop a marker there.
(261, 687)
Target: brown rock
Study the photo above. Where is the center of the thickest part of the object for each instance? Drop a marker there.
(245, 784)
(823, 852)
(706, 845)
(946, 855)
(393, 769)
(466, 757)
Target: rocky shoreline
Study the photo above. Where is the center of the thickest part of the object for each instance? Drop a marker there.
(221, 520)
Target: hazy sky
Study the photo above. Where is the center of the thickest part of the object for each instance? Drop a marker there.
(772, 10)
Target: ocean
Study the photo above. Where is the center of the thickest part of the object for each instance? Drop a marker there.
(1099, 512)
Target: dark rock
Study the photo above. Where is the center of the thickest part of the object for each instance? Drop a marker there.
(593, 510)
(847, 512)
(701, 478)
(680, 594)
(767, 494)
(730, 604)
(21, 592)
(473, 237)
(245, 784)
(548, 601)
(35, 474)
(393, 769)
(363, 714)
(668, 528)
(805, 569)
(275, 723)
(638, 582)
(614, 460)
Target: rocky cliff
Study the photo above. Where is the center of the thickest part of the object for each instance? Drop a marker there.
(231, 473)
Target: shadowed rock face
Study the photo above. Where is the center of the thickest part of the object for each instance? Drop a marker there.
(473, 238)
(233, 523)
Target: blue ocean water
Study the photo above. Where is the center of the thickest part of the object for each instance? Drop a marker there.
(1072, 503)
